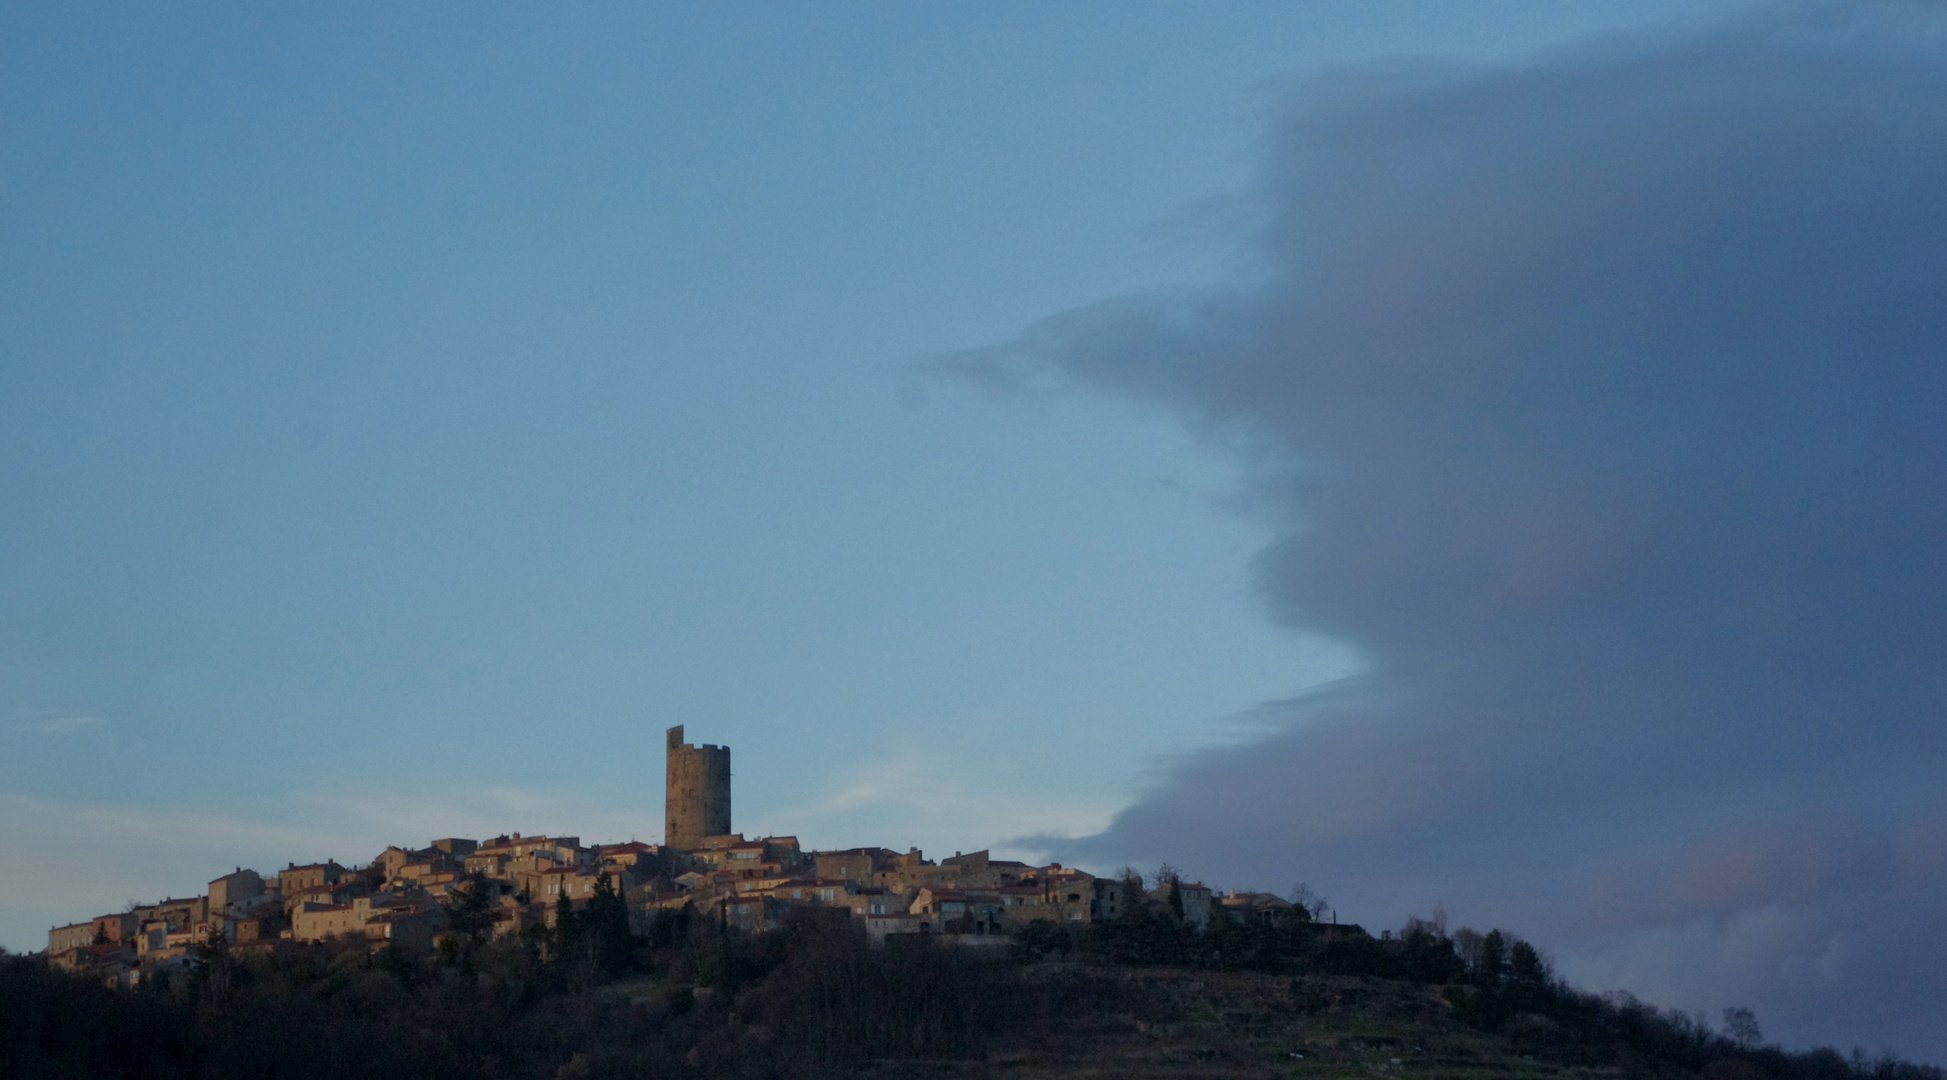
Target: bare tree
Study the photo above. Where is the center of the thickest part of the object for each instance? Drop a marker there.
(1741, 1027)
(1316, 905)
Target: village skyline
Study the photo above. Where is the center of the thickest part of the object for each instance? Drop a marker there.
(524, 887)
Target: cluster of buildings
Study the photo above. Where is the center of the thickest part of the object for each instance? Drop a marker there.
(403, 895)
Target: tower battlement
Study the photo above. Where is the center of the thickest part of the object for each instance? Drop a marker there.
(697, 797)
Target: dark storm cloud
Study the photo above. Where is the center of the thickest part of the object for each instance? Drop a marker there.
(1602, 404)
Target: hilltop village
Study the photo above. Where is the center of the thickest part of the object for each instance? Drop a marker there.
(404, 895)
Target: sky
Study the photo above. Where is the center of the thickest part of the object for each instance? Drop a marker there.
(1467, 455)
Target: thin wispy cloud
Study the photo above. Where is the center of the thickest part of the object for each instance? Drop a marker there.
(909, 796)
(56, 721)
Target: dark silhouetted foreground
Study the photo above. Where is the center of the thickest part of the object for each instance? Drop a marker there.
(1145, 995)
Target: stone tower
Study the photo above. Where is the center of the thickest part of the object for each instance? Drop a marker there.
(697, 800)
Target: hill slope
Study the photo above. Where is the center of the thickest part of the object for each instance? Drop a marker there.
(815, 999)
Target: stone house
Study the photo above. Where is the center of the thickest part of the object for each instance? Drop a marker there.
(90, 957)
(152, 937)
(958, 911)
(294, 877)
(184, 911)
(748, 853)
(491, 863)
(910, 872)
(757, 879)
(852, 864)
(168, 927)
(1196, 899)
(866, 900)
(523, 868)
(318, 922)
(119, 927)
(811, 891)
(419, 869)
(235, 889)
(394, 856)
(562, 850)
(434, 884)
(65, 939)
(714, 854)
(575, 882)
(439, 856)
(644, 861)
(1026, 903)
(785, 850)
(406, 926)
(455, 849)
(337, 892)
(1070, 895)
(1255, 907)
(979, 871)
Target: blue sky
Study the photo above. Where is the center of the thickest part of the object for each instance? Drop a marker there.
(414, 405)
(404, 416)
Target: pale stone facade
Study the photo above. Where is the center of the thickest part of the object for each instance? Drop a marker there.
(235, 889)
(61, 939)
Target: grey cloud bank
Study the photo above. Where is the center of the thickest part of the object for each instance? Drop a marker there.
(1600, 404)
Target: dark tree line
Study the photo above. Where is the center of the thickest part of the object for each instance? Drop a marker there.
(690, 996)
(1494, 981)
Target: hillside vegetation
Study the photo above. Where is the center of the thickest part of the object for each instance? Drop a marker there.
(1141, 997)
